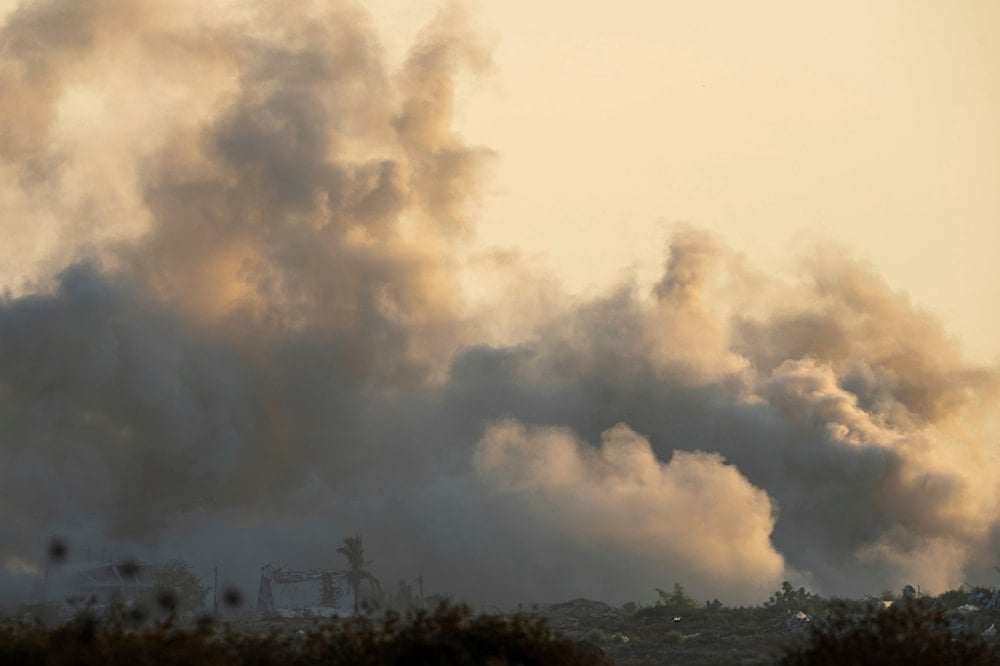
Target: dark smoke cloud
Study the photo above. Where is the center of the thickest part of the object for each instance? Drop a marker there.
(234, 329)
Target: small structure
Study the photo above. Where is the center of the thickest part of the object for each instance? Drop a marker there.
(281, 593)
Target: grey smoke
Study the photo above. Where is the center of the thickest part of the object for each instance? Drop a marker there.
(243, 338)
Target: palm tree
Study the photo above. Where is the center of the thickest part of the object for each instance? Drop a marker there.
(356, 572)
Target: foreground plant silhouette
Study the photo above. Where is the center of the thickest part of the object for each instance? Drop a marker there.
(451, 635)
(910, 634)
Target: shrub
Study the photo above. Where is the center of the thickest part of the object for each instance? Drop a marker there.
(674, 637)
(910, 634)
(676, 601)
(790, 599)
(176, 590)
(451, 635)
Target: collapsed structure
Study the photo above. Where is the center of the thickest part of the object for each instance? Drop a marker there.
(102, 583)
(328, 590)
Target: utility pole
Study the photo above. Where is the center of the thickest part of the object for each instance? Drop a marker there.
(420, 583)
(215, 592)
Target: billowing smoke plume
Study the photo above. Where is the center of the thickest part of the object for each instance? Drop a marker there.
(233, 328)
(694, 514)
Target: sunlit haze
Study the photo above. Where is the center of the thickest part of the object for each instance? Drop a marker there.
(873, 125)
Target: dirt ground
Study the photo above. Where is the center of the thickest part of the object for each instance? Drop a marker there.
(633, 636)
(642, 636)
(650, 636)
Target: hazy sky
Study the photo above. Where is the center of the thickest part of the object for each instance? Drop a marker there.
(872, 124)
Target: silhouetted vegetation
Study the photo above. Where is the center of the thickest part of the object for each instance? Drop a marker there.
(451, 635)
(356, 571)
(676, 601)
(176, 590)
(788, 598)
(913, 634)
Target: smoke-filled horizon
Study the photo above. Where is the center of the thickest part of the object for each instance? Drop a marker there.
(234, 328)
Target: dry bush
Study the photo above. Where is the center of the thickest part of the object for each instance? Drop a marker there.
(912, 634)
(451, 635)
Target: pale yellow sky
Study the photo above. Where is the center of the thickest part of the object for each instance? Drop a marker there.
(873, 124)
